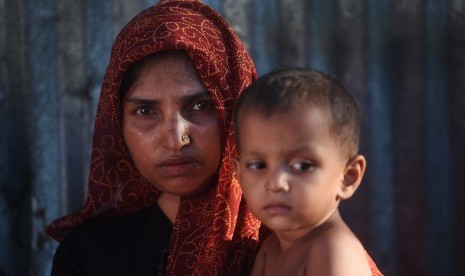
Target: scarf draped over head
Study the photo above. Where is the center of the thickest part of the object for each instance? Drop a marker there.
(214, 233)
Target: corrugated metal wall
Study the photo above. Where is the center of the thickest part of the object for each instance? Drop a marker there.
(403, 59)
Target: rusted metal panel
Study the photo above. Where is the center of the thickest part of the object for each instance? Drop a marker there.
(43, 114)
(455, 74)
(263, 45)
(380, 141)
(438, 152)
(74, 124)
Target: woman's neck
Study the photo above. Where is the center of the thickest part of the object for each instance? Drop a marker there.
(169, 204)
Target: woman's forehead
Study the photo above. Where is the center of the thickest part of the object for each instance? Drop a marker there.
(176, 66)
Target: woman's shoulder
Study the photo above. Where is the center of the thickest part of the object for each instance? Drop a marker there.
(122, 244)
(104, 233)
(148, 222)
(105, 227)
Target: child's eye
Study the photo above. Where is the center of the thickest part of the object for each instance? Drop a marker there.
(256, 165)
(302, 166)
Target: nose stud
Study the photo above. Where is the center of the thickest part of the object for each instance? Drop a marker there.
(185, 139)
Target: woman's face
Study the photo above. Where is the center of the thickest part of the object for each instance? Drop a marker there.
(171, 127)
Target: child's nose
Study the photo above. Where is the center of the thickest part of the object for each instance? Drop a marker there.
(278, 182)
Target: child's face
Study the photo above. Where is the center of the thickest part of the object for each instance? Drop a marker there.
(290, 168)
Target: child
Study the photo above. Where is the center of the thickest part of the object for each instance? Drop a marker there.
(297, 133)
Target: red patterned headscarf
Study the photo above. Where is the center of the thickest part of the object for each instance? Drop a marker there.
(214, 233)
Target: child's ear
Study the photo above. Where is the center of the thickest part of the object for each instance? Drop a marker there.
(353, 175)
(236, 165)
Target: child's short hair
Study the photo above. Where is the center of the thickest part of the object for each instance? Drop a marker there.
(289, 88)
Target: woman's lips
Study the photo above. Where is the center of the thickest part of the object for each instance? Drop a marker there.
(178, 166)
(277, 209)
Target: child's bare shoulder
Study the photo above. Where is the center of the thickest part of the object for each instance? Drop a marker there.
(270, 243)
(269, 247)
(336, 251)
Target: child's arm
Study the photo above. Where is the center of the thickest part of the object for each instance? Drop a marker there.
(337, 253)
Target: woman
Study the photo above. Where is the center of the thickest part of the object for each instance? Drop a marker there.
(162, 197)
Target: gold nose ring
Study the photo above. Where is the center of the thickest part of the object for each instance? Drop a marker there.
(185, 139)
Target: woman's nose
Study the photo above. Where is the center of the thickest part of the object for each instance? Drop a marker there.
(177, 132)
(278, 182)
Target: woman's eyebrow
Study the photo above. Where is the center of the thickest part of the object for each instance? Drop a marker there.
(138, 100)
(202, 95)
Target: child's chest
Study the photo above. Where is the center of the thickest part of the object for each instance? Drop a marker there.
(293, 262)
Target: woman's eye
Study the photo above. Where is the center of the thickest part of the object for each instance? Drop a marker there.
(302, 166)
(203, 105)
(144, 110)
(256, 165)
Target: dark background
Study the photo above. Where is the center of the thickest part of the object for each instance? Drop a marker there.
(403, 59)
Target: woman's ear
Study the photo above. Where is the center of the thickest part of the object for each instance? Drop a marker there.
(353, 175)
